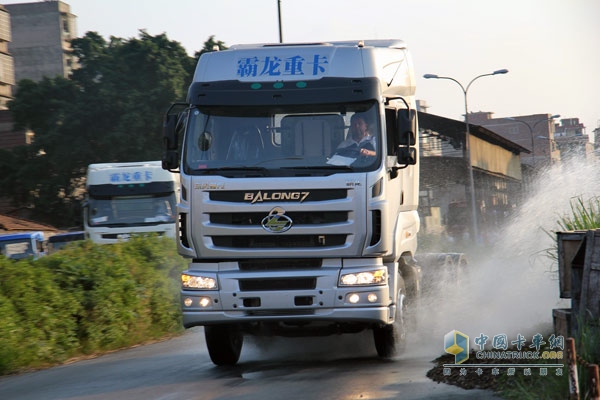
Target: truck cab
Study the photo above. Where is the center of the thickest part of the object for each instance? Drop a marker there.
(290, 227)
(125, 199)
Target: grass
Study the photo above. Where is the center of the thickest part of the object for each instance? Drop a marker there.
(584, 215)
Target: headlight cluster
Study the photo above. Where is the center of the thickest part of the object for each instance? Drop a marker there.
(364, 278)
(198, 282)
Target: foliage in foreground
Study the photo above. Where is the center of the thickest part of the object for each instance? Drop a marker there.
(86, 299)
(584, 215)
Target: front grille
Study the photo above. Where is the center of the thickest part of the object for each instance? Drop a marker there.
(299, 218)
(264, 196)
(279, 241)
(274, 313)
(279, 264)
(324, 216)
(253, 285)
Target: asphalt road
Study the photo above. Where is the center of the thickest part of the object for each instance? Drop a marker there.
(335, 367)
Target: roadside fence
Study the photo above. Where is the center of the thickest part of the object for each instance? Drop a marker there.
(591, 389)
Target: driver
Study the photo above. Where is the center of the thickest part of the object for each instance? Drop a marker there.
(360, 140)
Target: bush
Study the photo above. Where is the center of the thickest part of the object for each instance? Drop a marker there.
(42, 312)
(87, 298)
(11, 333)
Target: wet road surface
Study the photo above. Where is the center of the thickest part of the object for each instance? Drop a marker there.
(334, 367)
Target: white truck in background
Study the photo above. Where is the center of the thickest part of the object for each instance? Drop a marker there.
(287, 235)
(125, 199)
(58, 241)
(22, 245)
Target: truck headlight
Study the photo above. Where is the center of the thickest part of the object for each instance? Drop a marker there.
(198, 282)
(364, 278)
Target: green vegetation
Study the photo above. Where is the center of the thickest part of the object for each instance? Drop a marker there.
(584, 215)
(535, 387)
(87, 299)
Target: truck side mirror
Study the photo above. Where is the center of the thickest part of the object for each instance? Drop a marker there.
(407, 127)
(170, 160)
(407, 155)
(169, 132)
(205, 141)
(170, 156)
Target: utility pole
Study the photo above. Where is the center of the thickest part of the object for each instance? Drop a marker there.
(467, 148)
(279, 18)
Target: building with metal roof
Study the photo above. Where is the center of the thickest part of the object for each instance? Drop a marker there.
(445, 187)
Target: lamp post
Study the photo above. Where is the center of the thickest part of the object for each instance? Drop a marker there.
(467, 152)
(531, 129)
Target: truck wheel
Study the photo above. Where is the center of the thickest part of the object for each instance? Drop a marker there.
(390, 339)
(224, 343)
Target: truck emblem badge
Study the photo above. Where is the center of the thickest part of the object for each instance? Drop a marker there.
(260, 197)
(276, 221)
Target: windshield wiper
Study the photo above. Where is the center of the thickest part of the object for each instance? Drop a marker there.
(320, 167)
(113, 225)
(233, 168)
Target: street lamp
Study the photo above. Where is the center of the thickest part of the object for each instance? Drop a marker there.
(531, 129)
(467, 152)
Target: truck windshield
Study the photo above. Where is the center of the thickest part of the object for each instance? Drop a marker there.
(131, 210)
(17, 248)
(344, 138)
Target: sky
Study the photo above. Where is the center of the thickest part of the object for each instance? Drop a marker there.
(550, 47)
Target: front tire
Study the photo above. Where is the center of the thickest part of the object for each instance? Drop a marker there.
(391, 339)
(224, 343)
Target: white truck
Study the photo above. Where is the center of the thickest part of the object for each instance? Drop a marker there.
(288, 234)
(17, 246)
(60, 240)
(125, 199)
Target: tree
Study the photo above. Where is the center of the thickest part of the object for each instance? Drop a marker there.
(109, 111)
(44, 174)
(210, 45)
